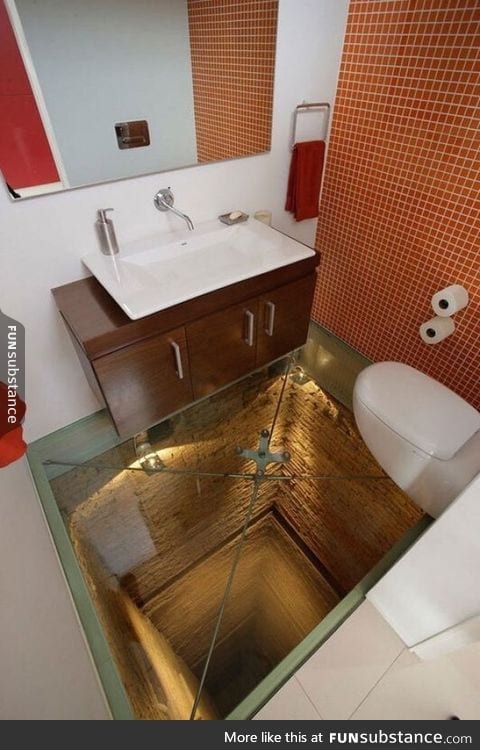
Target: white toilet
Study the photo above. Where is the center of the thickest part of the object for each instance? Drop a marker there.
(425, 437)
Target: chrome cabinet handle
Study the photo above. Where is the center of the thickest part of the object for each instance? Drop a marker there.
(271, 318)
(178, 359)
(250, 317)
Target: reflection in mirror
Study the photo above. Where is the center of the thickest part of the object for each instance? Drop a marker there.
(99, 90)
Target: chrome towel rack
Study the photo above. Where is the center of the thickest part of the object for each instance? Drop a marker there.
(306, 106)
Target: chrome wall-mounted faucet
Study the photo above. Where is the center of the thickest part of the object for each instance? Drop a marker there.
(164, 200)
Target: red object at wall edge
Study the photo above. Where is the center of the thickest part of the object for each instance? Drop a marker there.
(12, 445)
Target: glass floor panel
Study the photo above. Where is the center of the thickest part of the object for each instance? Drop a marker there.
(206, 572)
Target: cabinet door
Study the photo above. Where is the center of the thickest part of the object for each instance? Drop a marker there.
(146, 381)
(284, 315)
(221, 347)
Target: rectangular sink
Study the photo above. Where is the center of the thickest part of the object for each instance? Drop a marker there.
(151, 276)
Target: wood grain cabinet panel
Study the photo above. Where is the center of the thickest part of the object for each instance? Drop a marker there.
(222, 347)
(144, 382)
(209, 341)
(283, 318)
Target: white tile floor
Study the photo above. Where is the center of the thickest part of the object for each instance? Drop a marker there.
(345, 669)
(427, 690)
(336, 679)
(365, 672)
(291, 702)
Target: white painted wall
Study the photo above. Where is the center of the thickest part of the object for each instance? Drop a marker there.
(310, 42)
(435, 585)
(41, 243)
(100, 62)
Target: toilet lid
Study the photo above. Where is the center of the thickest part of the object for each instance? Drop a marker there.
(418, 408)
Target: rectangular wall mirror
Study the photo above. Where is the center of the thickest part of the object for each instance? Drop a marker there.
(99, 90)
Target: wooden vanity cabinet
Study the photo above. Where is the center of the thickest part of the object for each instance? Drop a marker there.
(233, 342)
(143, 382)
(222, 347)
(149, 368)
(283, 318)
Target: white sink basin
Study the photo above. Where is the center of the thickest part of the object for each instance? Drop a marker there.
(152, 275)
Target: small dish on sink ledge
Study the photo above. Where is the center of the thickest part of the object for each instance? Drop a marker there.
(234, 217)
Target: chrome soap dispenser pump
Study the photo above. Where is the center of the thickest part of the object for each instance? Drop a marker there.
(106, 233)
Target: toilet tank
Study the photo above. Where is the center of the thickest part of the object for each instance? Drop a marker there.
(423, 434)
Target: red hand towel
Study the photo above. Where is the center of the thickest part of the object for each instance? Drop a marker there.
(305, 179)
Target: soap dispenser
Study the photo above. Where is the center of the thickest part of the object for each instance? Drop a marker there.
(106, 233)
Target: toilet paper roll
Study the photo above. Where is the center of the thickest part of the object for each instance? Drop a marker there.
(436, 329)
(448, 301)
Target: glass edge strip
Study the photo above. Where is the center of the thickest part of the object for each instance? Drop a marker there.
(110, 680)
(270, 685)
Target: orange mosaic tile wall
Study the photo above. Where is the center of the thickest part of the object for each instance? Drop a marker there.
(400, 210)
(233, 60)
